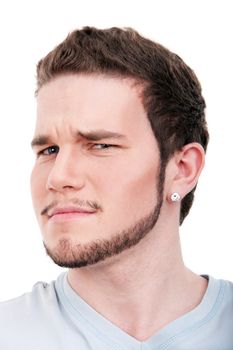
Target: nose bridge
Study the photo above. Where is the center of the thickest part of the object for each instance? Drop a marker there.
(65, 171)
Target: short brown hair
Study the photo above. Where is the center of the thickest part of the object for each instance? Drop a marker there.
(172, 93)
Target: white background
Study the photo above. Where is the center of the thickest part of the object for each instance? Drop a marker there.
(200, 32)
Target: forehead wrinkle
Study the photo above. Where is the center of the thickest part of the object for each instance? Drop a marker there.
(96, 135)
(93, 135)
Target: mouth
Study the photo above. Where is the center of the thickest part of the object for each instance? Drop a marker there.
(69, 214)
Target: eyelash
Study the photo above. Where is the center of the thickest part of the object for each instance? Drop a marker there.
(42, 152)
(94, 146)
(101, 146)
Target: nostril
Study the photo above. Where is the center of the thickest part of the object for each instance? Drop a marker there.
(59, 182)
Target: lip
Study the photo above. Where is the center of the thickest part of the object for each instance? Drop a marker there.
(69, 214)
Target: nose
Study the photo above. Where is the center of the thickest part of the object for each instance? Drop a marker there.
(65, 173)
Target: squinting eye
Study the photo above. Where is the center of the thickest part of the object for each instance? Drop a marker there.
(102, 146)
(49, 150)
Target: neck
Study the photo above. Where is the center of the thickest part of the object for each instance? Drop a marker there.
(142, 289)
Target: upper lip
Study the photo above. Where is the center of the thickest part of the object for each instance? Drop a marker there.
(69, 209)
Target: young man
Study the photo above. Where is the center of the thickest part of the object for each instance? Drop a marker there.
(120, 142)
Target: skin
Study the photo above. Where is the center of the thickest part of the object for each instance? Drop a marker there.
(146, 286)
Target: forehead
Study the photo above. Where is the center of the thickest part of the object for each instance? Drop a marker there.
(89, 102)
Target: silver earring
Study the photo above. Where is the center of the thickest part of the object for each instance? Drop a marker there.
(175, 197)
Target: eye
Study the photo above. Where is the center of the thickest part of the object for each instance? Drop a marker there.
(48, 151)
(101, 146)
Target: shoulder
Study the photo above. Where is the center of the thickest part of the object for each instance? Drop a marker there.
(222, 290)
(227, 298)
(218, 324)
(228, 287)
(30, 311)
(40, 294)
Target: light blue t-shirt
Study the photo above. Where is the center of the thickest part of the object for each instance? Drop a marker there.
(54, 317)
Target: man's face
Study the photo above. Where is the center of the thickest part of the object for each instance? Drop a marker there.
(95, 180)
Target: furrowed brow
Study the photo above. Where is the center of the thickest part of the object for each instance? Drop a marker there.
(40, 140)
(97, 135)
(94, 135)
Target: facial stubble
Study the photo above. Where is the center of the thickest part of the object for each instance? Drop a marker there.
(70, 255)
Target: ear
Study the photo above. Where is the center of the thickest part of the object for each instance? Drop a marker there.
(185, 169)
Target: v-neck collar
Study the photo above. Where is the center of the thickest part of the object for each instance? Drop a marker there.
(168, 336)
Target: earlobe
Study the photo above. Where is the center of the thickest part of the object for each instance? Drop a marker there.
(175, 197)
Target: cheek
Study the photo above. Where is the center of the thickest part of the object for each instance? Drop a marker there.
(38, 186)
(140, 188)
(129, 186)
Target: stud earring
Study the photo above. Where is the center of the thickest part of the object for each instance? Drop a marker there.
(175, 197)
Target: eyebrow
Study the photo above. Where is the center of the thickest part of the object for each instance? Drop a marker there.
(40, 140)
(95, 135)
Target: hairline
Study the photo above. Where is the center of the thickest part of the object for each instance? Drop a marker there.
(134, 79)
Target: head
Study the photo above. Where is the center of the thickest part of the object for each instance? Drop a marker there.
(166, 87)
